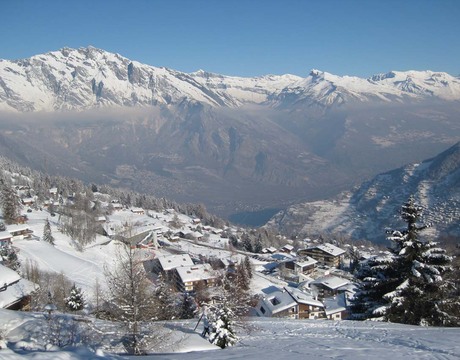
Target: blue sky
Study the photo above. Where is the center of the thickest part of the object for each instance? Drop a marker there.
(245, 37)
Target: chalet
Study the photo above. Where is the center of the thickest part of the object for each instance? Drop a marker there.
(194, 235)
(336, 307)
(188, 278)
(20, 231)
(326, 254)
(308, 306)
(15, 291)
(167, 263)
(296, 267)
(269, 250)
(278, 303)
(138, 211)
(287, 249)
(53, 191)
(117, 206)
(100, 219)
(5, 238)
(328, 286)
(196, 221)
(27, 201)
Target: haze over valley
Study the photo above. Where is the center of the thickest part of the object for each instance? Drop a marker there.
(238, 145)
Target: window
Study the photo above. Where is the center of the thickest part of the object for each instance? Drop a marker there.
(275, 301)
(262, 310)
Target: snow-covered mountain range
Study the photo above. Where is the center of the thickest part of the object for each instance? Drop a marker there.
(85, 78)
(370, 209)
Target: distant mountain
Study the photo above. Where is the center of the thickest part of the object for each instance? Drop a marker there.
(85, 78)
(236, 144)
(366, 212)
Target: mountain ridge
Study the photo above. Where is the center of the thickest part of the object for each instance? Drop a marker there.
(85, 78)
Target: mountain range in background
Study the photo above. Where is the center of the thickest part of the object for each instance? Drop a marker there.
(238, 145)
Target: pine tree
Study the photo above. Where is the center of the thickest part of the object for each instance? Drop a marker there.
(187, 307)
(408, 287)
(248, 266)
(47, 235)
(221, 332)
(377, 277)
(75, 301)
(166, 300)
(9, 257)
(11, 204)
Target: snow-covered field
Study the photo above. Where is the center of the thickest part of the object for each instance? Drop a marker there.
(259, 339)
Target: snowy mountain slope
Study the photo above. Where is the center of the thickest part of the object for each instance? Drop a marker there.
(25, 335)
(85, 78)
(366, 212)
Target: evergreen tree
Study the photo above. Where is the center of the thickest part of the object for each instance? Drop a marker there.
(258, 245)
(47, 235)
(248, 266)
(377, 278)
(221, 332)
(166, 300)
(407, 286)
(75, 301)
(9, 258)
(187, 307)
(11, 204)
(247, 244)
(419, 298)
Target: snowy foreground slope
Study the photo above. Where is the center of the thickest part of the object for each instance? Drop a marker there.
(259, 339)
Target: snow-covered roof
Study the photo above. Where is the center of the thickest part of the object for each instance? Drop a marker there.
(16, 287)
(288, 247)
(275, 302)
(195, 234)
(332, 282)
(8, 276)
(302, 297)
(17, 227)
(331, 249)
(335, 304)
(169, 262)
(196, 272)
(305, 261)
(5, 235)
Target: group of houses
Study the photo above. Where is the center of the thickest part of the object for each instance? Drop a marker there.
(318, 292)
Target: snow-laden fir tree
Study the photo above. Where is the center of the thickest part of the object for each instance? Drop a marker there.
(10, 202)
(407, 285)
(75, 301)
(420, 298)
(47, 234)
(221, 332)
(377, 277)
